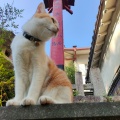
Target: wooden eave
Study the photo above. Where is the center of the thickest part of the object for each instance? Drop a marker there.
(72, 53)
(108, 9)
(105, 15)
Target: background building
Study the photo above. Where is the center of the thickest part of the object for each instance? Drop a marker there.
(105, 50)
(79, 56)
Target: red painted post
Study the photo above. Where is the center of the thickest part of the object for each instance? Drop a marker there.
(57, 52)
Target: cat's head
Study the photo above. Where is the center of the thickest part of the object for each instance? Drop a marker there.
(42, 25)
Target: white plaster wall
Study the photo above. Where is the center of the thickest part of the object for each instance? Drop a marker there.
(82, 69)
(112, 58)
(80, 63)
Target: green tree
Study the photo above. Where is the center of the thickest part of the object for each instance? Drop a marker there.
(6, 80)
(8, 14)
(70, 70)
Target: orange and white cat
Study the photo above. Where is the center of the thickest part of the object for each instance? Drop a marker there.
(37, 78)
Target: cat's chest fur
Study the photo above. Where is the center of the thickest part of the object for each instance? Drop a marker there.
(28, 54)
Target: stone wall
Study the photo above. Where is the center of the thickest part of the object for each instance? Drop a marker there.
(112, 57)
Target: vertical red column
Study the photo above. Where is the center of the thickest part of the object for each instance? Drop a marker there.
(57, 52)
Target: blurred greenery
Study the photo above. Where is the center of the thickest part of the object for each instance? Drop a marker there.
(6, 80)
(70, 71)
(75, 92)
(8, 14)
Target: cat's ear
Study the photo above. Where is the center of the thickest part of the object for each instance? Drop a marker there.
(41, 8)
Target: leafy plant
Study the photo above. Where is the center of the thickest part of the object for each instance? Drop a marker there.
(8, 14)
(6, 80)
(75, 92)
(108, 98)
(70, 71)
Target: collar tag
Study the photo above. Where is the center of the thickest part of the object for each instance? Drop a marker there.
(37, 43)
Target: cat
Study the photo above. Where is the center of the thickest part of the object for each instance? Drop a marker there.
(38, 81)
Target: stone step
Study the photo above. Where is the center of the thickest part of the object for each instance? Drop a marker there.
(91, 98)
(75, 111)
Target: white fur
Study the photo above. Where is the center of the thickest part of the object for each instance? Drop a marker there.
(31, 66)
(59, 94)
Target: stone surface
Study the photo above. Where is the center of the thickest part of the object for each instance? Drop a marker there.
(96, 79)
(88, 99)
(79, 83)
(88, 86)
(91, 98)
(84, 111)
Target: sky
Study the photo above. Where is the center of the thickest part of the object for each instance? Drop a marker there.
(77, 28)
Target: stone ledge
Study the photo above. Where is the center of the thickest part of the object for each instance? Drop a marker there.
(84, 111)
(91, 98)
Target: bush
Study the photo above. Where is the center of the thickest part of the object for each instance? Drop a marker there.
(6, 80)
(70, 71)
(8, 14)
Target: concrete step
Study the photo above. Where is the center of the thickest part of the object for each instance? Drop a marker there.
(75, 111)
(91, 98)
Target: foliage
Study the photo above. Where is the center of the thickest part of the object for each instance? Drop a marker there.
(108, 98)
(5, 39)
(75, 92)
(6, 80)
(70, 70)
(8, 14)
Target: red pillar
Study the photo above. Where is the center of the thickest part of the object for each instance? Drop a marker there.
(57, 45)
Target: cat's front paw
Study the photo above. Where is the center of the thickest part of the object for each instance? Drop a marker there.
(12, 102)
(28, 101)
(45, 100)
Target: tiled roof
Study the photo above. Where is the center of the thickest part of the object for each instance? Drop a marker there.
(105, 13)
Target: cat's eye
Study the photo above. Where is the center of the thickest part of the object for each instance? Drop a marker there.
(53, 20)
